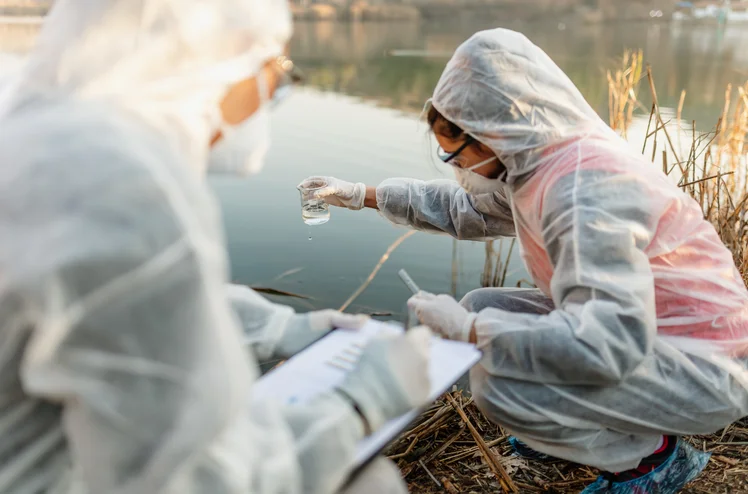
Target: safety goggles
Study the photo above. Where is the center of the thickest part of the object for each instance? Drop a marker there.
(452, 158)
(290, 75)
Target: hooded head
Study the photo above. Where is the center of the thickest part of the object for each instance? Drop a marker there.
(506, 93)
(169, 62)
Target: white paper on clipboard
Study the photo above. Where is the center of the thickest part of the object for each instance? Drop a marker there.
(308, 374)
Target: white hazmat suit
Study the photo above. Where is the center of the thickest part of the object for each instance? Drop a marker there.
(639, 326)
(123, 365)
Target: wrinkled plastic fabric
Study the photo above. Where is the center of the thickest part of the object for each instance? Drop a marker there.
(624, 254)
(442, 206)
(261, 320)
(11, 65)
(611, 426)
(683, 466)
(167, 61)
(124, 369)
(519, 101)
(370, 480)
(274, 330)
(640, 323)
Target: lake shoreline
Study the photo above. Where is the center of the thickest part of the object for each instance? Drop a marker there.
(362, 11)
(447, 10)
(313, 18)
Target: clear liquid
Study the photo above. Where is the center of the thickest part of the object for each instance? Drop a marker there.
(315, 213)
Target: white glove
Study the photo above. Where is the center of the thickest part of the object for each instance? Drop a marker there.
(339, 192)
(276, 330)
(304, 329)
(443, 314)
(391, 376)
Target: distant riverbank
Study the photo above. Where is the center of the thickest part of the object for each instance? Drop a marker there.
(24, 8)
(516, 10)
(357, 12)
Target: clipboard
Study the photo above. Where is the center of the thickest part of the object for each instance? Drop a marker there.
(309, 373)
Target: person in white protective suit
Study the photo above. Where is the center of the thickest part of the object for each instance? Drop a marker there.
(124, 366)
(637, 332)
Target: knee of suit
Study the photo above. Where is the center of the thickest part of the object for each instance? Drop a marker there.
(509, 299)
(381, 476)
(477, 300)
(497, 398)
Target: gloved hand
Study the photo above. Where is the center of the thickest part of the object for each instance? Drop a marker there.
(340, 193)
(391, 376)
(443, 314)
(304, 329)
(274, 330)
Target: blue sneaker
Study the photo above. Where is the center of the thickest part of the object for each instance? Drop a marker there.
(681, 466)
(525, 451)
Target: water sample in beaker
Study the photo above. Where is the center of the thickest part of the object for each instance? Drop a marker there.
(314, 211)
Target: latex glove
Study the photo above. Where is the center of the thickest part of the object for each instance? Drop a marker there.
(274, 330)
(304, 329)
(339, 192)
(443, 314)
(391, 376)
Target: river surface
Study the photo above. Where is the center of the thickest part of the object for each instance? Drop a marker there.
(357, 119)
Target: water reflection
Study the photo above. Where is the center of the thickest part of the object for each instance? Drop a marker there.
(354, 59)
(319, 133)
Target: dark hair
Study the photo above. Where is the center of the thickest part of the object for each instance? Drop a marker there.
(442, 126)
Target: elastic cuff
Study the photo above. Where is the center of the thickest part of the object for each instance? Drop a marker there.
(359, 197)
(468, 326)
(280, 337)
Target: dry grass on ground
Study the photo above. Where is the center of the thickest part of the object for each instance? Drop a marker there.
(453, 451)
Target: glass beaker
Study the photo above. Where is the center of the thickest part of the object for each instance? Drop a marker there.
(314, 211)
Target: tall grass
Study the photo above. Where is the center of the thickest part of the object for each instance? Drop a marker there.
(727, 201)
(711, 167)
(623, 87)
(496, 263)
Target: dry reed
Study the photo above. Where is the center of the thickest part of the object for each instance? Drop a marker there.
(376, 269)
(440, 453)
(623, 87)
(714, 173)
(496, 263)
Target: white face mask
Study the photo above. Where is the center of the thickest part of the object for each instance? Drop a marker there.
(243, 147)
(478, 184)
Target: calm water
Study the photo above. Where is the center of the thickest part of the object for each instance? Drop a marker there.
(357, 120)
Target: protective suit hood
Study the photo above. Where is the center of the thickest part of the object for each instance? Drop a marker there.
(508, 94)
(169, 62)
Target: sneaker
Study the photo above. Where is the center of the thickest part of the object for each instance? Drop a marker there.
(525, 451)
(666, 471)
